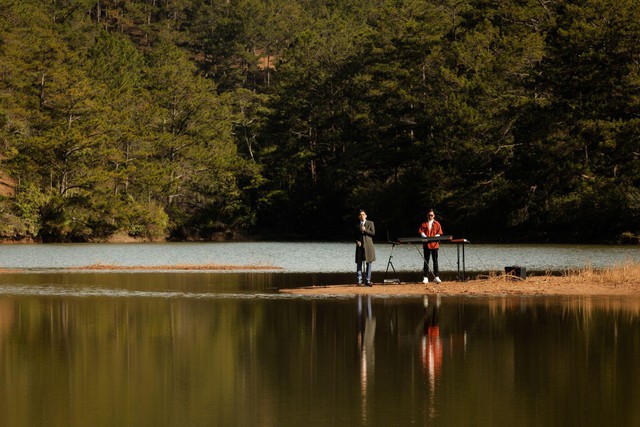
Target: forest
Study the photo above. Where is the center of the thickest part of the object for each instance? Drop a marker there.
(516, 120)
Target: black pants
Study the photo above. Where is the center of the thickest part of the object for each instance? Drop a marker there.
(433, 253)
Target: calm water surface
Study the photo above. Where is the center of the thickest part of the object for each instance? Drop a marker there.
(199, 358)
(311, 256)
(226, 349)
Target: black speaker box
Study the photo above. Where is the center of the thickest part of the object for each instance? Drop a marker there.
(516, 271)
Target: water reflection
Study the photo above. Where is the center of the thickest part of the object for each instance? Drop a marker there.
(366, 335)
(149, 361)
(431, 347)
(433, 344)
(195, 282)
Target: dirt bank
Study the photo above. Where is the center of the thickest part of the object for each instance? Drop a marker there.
(536, 285)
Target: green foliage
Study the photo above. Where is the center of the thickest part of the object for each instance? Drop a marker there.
(197, 119)
(115, 138)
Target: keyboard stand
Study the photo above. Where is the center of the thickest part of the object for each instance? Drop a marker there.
(390, 264)
(460, 245)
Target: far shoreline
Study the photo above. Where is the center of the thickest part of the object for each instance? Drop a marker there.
(151, 268)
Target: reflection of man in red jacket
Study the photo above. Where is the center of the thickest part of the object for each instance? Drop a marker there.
(430, 228)
(431, 345)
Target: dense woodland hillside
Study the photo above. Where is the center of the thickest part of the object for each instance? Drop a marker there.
(516, 120)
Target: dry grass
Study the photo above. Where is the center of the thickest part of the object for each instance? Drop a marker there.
(627, 272)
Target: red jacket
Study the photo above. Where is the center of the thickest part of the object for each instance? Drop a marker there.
(435, 230)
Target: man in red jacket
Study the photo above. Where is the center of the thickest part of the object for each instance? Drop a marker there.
(430, 228)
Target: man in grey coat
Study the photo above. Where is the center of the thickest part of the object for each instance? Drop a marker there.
(365, 252)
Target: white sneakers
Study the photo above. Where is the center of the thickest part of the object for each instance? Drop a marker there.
(437, 280)
(425, 280)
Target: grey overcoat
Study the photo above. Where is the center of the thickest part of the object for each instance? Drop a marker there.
(366, 251)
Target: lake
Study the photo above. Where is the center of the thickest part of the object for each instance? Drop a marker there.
(225, 348)
(308, 257)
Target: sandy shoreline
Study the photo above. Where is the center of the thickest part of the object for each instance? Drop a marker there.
(536, 285)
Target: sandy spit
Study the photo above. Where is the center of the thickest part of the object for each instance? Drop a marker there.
(536, 285)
